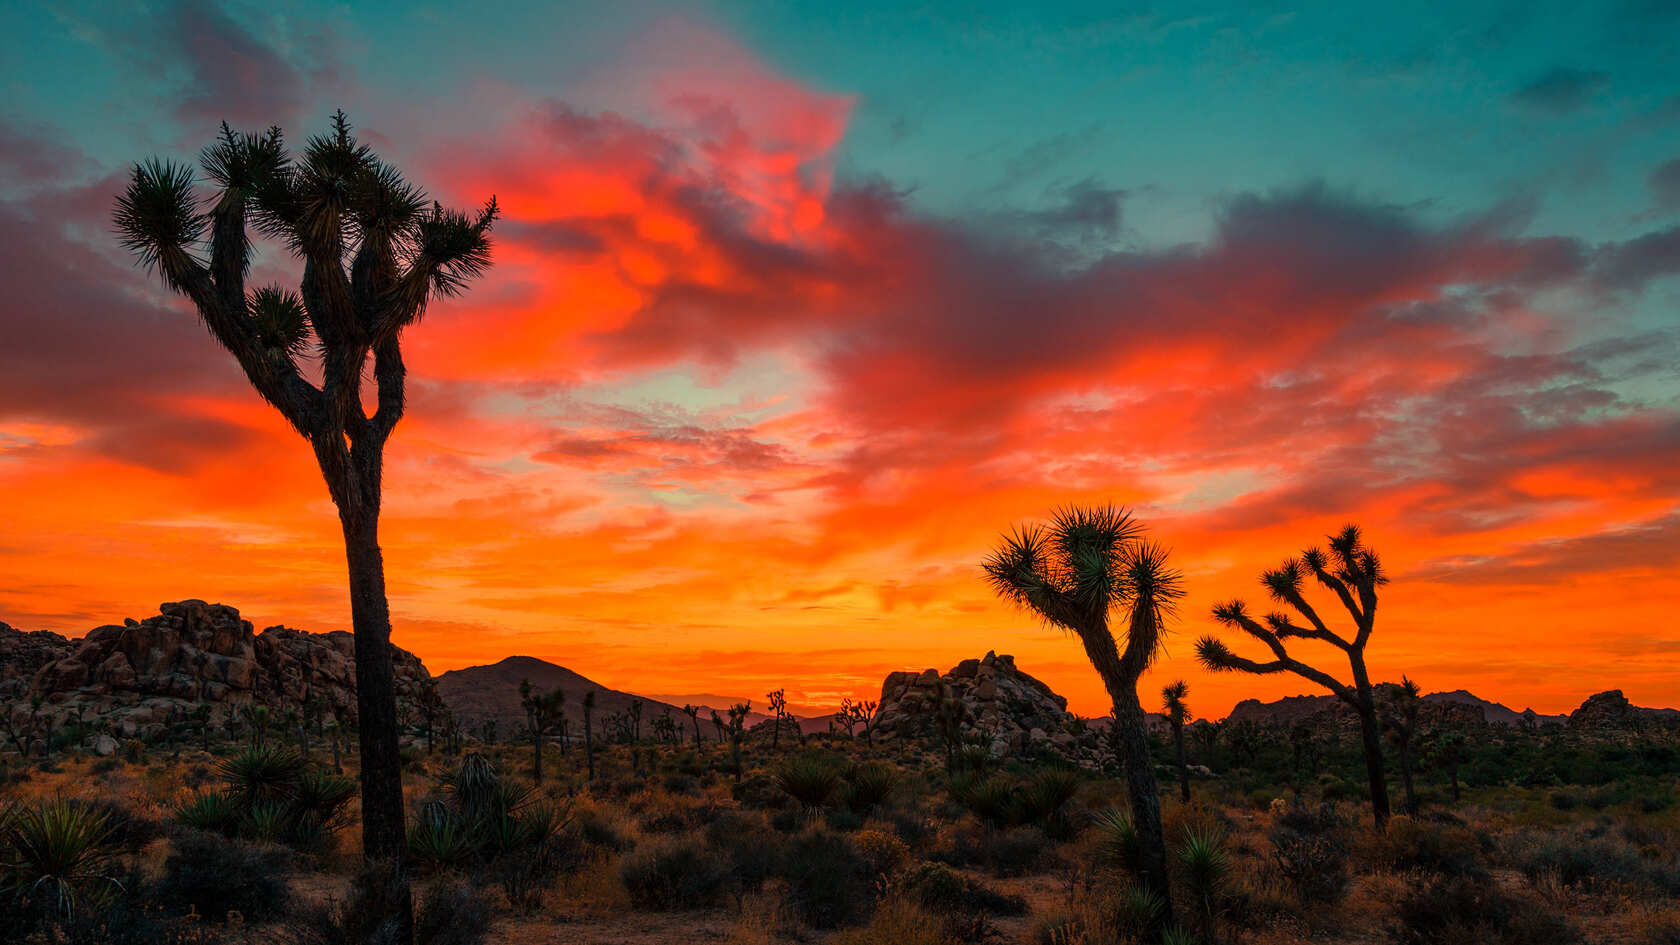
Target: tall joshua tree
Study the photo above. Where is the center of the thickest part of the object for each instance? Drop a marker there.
(1354, 573)
(1178, 714)
(693, 713)
(374, 252)
(1079, 572)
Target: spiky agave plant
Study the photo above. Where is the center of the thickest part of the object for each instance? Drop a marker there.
(1084, 571)
(810, 780)
(59, 852)
(1118, 847)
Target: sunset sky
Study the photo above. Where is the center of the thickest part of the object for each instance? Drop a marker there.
(797, 306)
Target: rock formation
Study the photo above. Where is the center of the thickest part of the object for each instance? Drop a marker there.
(139, 675)
(1007, 708)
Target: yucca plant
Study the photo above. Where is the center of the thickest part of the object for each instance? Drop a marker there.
(215, 811)
(59, 852)
(267, 821)
(262, 773)
(809, 780)
(993, 800)
(475, 781)
(1118, 846)
(439, 838)
(1138, 909)
(1205, 866)
(868, 786)
(323, 796)
(1043, 798)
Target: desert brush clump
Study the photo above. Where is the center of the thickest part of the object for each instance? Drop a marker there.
(273, 795)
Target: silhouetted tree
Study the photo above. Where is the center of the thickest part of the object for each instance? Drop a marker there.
(1087, 565)
(737, 728)
(1400, 717)
(1354, 573)
(588, 740)
(1205, 733)
(542, 713)
(1448, 749)
(778, 707)
(1178, 713)
(693, 713)
(950, 714)
(375, 251)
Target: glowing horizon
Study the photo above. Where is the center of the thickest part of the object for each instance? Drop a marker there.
(771, 353)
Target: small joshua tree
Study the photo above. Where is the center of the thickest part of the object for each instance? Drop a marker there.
(1449, 749)
(950, 714)
(737, 728)
(588, 740)
(693, 713)
(778, 707)
(718, 723)
(1178, 714)
(1088, 566)
(1400, 716)
(542, 714)
(1353, 572)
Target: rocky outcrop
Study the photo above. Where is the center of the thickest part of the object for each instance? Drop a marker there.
(142, 674)
(1003, 706)
(22, 654)
(1611, 710)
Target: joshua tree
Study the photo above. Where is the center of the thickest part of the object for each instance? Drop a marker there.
(588, 740)
(1400, 717)
(718, 723)
(778, 707)
(950, 714)
(1205, 734)
(374, 253)
(1354, 573)
(1087, 566)
(737, 728)
(693, 713)
(866, 711)
(257, 717)
(542, 712)
(1448, 751)
(1178, 713)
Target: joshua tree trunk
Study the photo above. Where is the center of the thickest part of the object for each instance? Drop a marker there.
(588, 745)
(1370, 732)
(1137, 766)
(376, 694)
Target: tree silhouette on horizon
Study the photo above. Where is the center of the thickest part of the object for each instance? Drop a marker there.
(375, 251)
(1084, 566)
(1354, 572)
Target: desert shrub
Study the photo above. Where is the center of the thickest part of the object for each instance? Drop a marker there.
(446, 912)
(829, 884)
(1411, 843)
(993, 800)
(943, 890)
(451, 912)
(676, 874)
(759, 792)
(439, 839)
(215, 876)
(1204, 867)
(1309, 854)
(884, 853)
(842, 819)
(1577, 859)
(750, 853)
(134, 751)
(596, 829)
(899, 922)
(1016, 851)
(1472, 910)
(272, 795)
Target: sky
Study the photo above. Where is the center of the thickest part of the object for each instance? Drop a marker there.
(797, 307)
